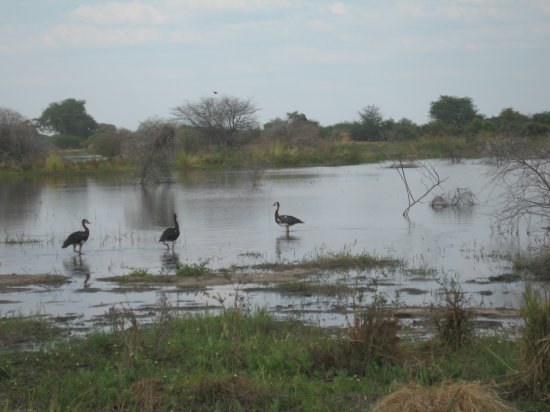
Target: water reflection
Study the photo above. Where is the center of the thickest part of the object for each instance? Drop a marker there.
(78, 266)
(154, 205)
(170, 261)
(286, 245)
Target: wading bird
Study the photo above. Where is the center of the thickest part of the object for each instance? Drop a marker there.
(171, 234)
(285, 220)
(78, 238)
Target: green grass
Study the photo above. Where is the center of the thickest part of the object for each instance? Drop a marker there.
(341, 260)
(140, 274)
(193, 269)
(235, 361)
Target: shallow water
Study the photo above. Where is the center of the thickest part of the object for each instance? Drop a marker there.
(226, 218)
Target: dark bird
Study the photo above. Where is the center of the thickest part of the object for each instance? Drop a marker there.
(215, 92)
(285, 220)
(171, 234)
(78, 238)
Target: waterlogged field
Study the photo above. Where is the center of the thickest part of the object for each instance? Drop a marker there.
(227, 226)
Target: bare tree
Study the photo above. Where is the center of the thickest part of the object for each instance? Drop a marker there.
(152, 147)
(430, 179)
(19, 139)
(220, 120)
(524, 174)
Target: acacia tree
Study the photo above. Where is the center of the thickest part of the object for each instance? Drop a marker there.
(19, 139)
(152, 148)
(68, 117)
(219, 120)
(452, 110)
(371, 125)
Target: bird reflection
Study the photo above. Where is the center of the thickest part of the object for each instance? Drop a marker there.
(170, 261)
(286, 244)
(77, 266)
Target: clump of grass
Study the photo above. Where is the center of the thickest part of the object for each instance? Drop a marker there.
(452, 320)
(19, 240)
(22, 330)
(535, 342)
(140, 274)
(448, 396)
(193, 269)
(538, 265)
(54, 164)
(373, 332)
(308, 288)
(331, 261)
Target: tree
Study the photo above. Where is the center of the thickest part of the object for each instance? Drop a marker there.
(511, 123)
(524, 177)
(107, 140)
(296, 130)
(19, 139)
(219, 120)
(68, 118)
(455, 111)
(371, 125)
(152, 148)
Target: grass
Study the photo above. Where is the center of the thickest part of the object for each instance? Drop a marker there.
(193, 269)
(535, 342)
(238, 360)
(19, 330)
(332, 261)
(140, 274)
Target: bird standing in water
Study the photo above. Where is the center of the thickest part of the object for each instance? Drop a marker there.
(171, 234)
(78, 238)
(285, 220)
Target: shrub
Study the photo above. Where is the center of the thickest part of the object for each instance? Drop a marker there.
(452, 320)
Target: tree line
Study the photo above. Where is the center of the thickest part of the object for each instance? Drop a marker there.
(228, 121)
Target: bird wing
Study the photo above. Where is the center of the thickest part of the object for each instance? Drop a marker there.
(289, 220)
(75, 237)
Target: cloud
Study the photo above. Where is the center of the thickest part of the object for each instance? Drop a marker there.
(338, 8)
(85, 36)
(117, 13)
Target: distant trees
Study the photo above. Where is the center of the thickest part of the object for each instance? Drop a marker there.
(152, 147)
(107, 140)
(68, 118)
(451, 110)
(19, 140)
(296, 130)
(370, 125)
(222, 121)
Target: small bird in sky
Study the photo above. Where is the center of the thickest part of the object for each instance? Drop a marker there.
(215, 92)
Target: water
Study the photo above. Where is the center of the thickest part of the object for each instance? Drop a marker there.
(226, 218)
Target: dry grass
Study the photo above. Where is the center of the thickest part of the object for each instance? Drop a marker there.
(448, 396)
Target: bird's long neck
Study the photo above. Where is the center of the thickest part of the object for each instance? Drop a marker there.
(176, 223)
(277, 211)
(84, 226)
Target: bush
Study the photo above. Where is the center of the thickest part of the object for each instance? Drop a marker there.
(67, 142)
(19, 140)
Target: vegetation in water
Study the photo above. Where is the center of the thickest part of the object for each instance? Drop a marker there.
(193, 269)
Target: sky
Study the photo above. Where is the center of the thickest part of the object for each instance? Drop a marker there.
(135, 60)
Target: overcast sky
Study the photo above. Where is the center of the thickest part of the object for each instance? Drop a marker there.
(132, 60)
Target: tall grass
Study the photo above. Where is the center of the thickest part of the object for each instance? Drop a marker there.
(452, 319)
(535, 342)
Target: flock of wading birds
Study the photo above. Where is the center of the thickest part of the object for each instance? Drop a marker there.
(171, 234)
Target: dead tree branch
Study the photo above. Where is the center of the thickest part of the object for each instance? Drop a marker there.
(431, 180)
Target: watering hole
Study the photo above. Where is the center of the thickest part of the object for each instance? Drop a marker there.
(227, 219)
